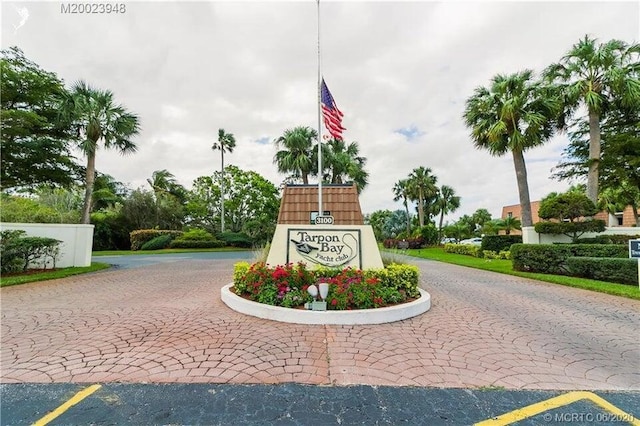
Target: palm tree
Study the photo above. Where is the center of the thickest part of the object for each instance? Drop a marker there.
(447, 202)
(163, 183)
(297, 155)
(401, 192)
(509, 223)
(344, 162)
(94, 117)
(513, 114)
(422, 185)
(226, 142)
(596, 76)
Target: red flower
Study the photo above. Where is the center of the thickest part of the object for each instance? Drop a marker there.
(334, 302)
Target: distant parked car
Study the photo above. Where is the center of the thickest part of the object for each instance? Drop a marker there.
(473, 241)
(447, 240)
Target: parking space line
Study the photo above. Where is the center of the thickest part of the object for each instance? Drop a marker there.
(556, 402)
(70, 403)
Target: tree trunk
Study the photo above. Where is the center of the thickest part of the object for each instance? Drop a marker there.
(305, 179)
(406, 207)
(88, 192)
(420, 208)
(222, 190)
(440, 225)
(523, 187)
(594, 156)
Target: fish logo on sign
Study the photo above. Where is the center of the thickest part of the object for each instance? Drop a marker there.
(326, 249)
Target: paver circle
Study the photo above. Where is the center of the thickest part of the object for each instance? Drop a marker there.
(354, 317)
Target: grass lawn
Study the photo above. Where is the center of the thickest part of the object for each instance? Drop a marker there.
(504, 267)
(164, 251)
(51, 275)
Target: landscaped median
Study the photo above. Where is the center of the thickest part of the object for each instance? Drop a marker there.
(351, 296)
(505, 267)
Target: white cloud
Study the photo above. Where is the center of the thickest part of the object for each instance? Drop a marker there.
(190, 68)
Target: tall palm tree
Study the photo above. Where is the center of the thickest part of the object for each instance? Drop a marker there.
(297, 155)
(401, 192)
(422, 185)
(343, 162)
(513, 114)
(596, 76)
(95, 118)
(162, 182)
(226, 142)
(447, 202)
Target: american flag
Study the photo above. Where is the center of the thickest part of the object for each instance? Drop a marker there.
(331, 113)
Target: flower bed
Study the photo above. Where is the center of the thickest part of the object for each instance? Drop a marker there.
(286, 285)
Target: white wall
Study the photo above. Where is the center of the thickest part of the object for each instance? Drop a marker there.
(77, 240)
(530, 236)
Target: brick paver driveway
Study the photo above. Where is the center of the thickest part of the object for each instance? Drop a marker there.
(166, 323)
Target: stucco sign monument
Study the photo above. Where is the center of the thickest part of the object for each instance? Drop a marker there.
(336, 240)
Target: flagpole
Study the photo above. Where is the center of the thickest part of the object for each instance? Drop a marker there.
(320, 211)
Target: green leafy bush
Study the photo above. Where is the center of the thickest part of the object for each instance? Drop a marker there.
(236, 239)
(349, 288)
(20, 252)
(196, 244)
(622, 239)
(196, 238)
(498, 243)
(490, 254)
(467, 249)
(617, 270)
(551, 258)
(158, 243)
(141, 236)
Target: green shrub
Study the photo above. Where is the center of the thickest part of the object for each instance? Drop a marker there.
(141, 236)
(110, 230)
(609, 239)
(617, 270)
(545, 258)
(428, 233)
(10, 257)
(196, 235)
(498, 243)
(177, 243)
(236, 239)
(20, 252)
(467, 249)
(158, 243)
(490, 254)
(551, 258)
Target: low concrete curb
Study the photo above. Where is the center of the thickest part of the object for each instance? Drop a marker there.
(356, 317)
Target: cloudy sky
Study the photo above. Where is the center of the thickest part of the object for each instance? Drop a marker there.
(399, 71)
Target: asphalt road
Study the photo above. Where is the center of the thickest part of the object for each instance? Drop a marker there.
(139, 260)
(296, 404)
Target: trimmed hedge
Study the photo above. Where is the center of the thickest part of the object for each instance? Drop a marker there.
(551, 258)
(196, 244)
(141, 236)
(196, 238)
(499, 243)
(468, 249)
(158, 243)
(236, 239)
(609, 239)
(617, 270)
